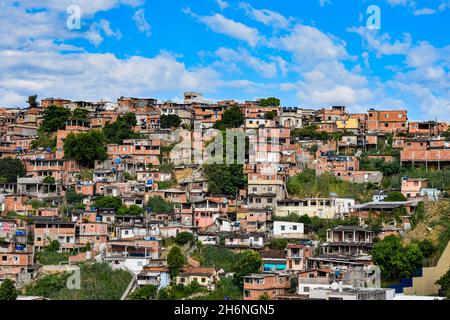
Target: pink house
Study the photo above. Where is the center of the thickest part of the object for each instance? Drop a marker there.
(411, 187)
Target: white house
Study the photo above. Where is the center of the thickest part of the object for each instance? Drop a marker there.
(284, 229)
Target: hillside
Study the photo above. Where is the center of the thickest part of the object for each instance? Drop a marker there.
(435, 227)
(98, 282)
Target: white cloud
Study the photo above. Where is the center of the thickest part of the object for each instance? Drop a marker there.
(265, 16)
(141, 23)
(242, 57)
(219, 24)
(310, 46)
(424, 11)
(403, 3)
(88, 7)
(381, 44)
(90, 76)
(94, 35)
(222, 4)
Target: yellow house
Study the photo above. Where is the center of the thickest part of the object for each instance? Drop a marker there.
(206, 277)
(350, 124)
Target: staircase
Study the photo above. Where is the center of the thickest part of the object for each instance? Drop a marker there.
(425, 285)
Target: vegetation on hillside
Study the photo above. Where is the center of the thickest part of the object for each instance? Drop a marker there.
(307, 184)
(98, 282)
(121, 129)
(10, 169)
(225, 179)
(85, 147)
(170, 121)
(396, 261)
(231, 118)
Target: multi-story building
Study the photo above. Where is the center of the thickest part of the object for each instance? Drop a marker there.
(387, 120)
(267, 285)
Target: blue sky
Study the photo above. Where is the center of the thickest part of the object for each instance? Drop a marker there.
(309, 53)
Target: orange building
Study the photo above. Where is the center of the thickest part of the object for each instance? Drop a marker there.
(387, 121)
(265, 284)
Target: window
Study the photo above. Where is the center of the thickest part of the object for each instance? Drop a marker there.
(203, 279)
(4, 258)
(294, 227)
(283, 228)
(269, 200)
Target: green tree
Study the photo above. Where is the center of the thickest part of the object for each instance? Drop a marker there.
(11, 168)
(175, 261)
(108, 202)
(249, 262)
(395, 260)
(159, 205)
(309, 133)
(270, 115)
(426, 247)
(184, 237)
(53, 246)
(72, 197)
(85, 147)
(278, 244)
(8, 291)
(395, 196)
(122, 129)
(54, 118)
(225, 179)
(269, 102)
(44, 140)
(32, 101)
(133, 210)
(231, 118)
(49, 180)
(147, 292)
(264, 296)
(170, 121)
(80, 114)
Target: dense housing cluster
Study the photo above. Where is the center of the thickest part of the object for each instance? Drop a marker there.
(120, 183)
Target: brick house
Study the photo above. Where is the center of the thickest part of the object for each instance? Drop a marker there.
(270, 284)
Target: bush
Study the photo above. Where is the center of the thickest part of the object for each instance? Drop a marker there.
(147, 292)
(231, 118)
(108, 202)
(170, 121)
(11, 168)
(98, 282)
(278, 244)
(175, 261)
(159, 205)
(219, 257)
(395, 260)
(184, 237)
(395, 196)
(8, 291)
(85, 147)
